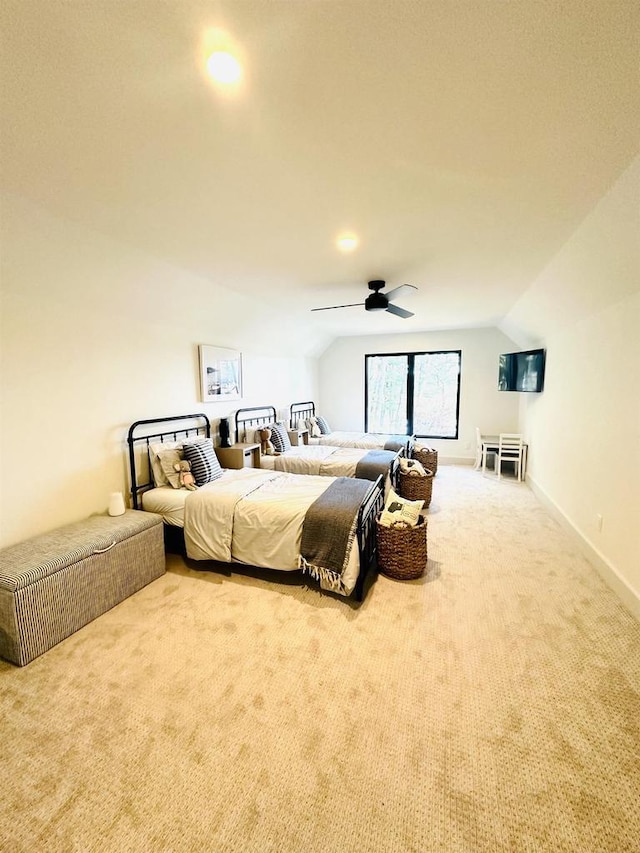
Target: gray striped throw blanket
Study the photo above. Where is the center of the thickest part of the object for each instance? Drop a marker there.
(396, 442)
(374, 463)
(329, 529)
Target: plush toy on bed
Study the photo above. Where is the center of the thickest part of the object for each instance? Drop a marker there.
(266, 445)
(186, 478)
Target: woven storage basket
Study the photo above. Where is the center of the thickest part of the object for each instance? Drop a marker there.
(416, 487)
(428, 457)
(402, 551)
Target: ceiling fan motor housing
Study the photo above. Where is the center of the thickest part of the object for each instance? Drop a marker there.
(376, 302)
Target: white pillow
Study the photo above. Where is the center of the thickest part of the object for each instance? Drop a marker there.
(312, 426)
(168, 458)
(165, 454)
(412, 466)
(159, 477)
(397, 508)
(248, 435)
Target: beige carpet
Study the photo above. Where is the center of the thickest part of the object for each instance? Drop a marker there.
(493, 705)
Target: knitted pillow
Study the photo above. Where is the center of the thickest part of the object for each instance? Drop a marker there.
(280, 437)
(325, 429)
(204, 462)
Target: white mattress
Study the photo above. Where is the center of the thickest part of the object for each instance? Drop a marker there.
(167, 502)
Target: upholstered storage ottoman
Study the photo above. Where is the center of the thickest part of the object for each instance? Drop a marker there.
(53, 584)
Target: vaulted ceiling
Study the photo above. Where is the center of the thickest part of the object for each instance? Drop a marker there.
(462, 142)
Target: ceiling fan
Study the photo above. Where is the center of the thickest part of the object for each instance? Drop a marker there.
(377, 301)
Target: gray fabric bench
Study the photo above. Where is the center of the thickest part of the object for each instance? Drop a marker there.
(52, 585)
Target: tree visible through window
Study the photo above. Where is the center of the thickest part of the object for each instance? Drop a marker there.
(416, 392)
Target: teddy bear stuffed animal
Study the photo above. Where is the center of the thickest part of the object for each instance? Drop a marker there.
(266, 445)
(186, 478)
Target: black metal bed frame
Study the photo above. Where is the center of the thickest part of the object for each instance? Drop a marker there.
(301, 410)
(200, 426)
(268, 416)
(369, 510)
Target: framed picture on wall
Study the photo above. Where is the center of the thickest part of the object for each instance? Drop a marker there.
(220, 374)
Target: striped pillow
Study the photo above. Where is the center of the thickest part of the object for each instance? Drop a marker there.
(204, 462)
(280, 437)
(325, 429)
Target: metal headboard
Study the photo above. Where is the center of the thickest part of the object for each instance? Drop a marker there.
(200, 426)
(245, 419)
(301, 411)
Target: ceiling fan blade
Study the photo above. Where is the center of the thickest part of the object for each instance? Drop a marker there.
(399, 312)
(391, 294)
(330, 307)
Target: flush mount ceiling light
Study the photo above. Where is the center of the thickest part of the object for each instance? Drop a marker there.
(347, 242)
(223, 67)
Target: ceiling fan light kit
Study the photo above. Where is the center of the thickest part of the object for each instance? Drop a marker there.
(377, 301)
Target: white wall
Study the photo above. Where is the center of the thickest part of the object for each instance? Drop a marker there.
(96, 335)
(341, 382)
(585, 427)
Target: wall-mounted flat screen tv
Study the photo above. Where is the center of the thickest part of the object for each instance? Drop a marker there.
(521, 371)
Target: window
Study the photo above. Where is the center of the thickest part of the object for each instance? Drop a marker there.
(413, 392)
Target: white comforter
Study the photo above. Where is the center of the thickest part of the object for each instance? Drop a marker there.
(367, 440)
(255, 517)
(321, 460)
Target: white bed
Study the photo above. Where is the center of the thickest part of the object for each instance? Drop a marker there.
(322, 525)
(302, 414)
(362, 440)
(250, 516)
(328, 462)
(324, 461)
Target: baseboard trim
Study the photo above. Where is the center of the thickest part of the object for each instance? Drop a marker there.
(629, 597)
(455, 460)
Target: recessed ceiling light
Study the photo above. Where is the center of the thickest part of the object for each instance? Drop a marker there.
(347, 242)
(223, 67)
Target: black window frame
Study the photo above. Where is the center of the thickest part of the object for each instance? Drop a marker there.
(410, 388)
